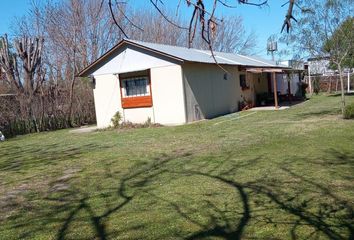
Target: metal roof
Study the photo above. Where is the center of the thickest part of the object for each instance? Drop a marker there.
(205, 56)
(190, 55)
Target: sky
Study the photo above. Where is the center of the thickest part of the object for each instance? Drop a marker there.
(264, 21)
(9, 10)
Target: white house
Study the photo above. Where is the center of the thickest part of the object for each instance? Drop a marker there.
(175, 85)
(319, 66)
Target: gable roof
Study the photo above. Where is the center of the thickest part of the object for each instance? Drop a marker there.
(182, 54)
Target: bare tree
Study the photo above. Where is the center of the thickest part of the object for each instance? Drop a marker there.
(203, 20)
(25, 71)
(154, 28)
(231, 36)
(77, 32)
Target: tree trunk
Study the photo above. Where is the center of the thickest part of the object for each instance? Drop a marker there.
(342, 88)
(71, 98)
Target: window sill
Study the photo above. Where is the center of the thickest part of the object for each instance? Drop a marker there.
(137, 102)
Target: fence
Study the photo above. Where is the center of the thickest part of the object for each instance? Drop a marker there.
(330, 83)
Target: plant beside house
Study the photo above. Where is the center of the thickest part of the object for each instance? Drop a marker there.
(349, 111)
(118, 123)
(116, 120)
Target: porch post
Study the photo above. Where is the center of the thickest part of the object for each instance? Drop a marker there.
(275, 90)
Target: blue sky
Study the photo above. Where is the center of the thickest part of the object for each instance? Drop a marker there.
(264, 21)
(9, 10)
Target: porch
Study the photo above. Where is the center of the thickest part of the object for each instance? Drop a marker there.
(270, 88)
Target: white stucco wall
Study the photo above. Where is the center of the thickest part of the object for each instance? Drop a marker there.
(138, 115)
(131, 60)
(107, 99)
(168, 95)
(166, 87)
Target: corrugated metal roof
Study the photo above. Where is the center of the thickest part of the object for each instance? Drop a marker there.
(187, 54)
(205, 56)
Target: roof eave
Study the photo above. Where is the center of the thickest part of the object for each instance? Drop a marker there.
(86, 71)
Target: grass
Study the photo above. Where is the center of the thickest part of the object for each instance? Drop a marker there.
(270, 175)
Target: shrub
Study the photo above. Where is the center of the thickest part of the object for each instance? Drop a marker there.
(316, 85)
(349, 111)
(302, 89)
(147, 123)
(116, 119)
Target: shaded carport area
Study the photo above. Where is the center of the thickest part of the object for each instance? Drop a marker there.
(272, 88)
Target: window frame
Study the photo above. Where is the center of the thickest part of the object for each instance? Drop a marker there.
(139, 78)
(135, 101)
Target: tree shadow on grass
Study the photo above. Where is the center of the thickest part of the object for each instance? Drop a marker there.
(16, 159)
(293, 201)
(309, 203)
(339, 94)
(320, 113)
(76, 204)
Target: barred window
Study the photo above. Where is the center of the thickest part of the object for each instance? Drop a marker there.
(135, 87)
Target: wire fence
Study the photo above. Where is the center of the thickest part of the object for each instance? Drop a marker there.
(330, 83)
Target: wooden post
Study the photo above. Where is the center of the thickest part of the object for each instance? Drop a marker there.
(275, 91)
(310, 83)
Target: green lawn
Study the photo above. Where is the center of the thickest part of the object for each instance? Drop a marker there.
(267, 175)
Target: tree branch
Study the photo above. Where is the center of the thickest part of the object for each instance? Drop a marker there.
(114, 18)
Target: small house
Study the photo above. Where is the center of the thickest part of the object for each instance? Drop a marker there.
(175, 85)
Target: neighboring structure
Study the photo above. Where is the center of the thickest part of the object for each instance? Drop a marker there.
(320, 68)
(175, 85)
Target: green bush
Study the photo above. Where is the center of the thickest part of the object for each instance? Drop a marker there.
(316, 85)
(116, 119)
(302, 89)
(349, 111)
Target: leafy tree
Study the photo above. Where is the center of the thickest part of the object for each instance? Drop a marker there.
(341, 44)
(325, 29)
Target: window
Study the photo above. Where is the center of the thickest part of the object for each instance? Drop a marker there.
(137, 86)
(243, 82)
(135, 90)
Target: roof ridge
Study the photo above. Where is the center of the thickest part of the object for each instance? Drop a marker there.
(198, 49)
(163, 44)
(192, 48)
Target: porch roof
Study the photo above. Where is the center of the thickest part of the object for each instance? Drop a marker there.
(261, 70)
